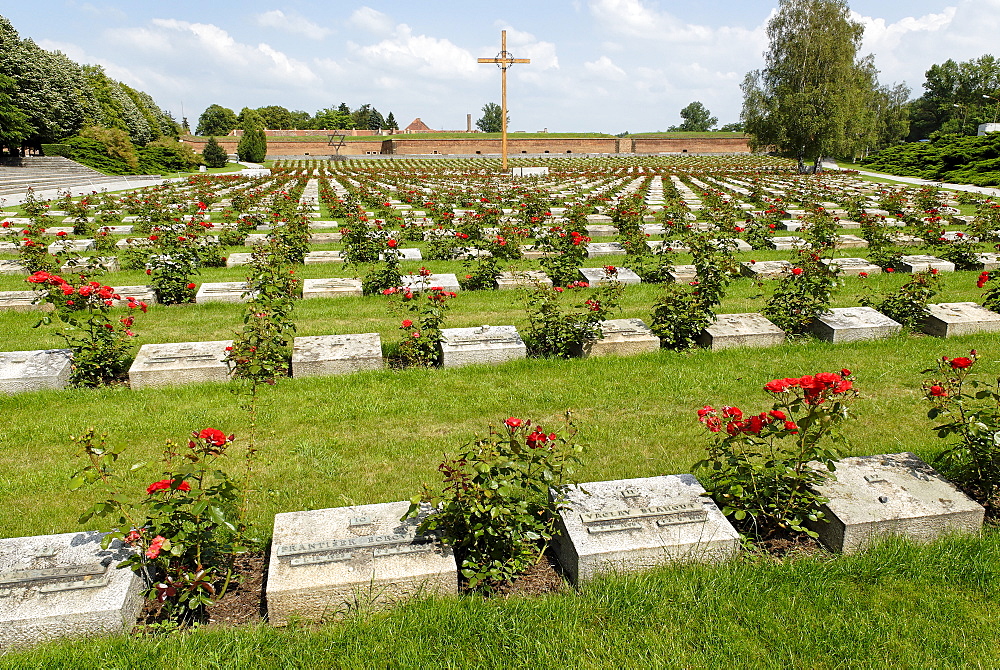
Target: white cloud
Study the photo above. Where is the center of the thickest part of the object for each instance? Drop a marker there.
(371, 20)
(214, 47)
(422, 55)
(291, 23)
(634, 19)
(604, 68)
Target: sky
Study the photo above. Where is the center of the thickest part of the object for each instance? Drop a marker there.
(596, 65)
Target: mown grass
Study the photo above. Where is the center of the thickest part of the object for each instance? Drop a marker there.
(895, 606)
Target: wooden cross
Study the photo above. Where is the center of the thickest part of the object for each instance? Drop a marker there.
(504, 61)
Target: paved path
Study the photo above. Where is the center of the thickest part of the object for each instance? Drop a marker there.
(995, 192)
(52, 194)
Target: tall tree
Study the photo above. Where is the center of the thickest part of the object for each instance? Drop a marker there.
(276, 117)
(360, 117)
(214, 155)
(301, 120)
(216, 120)
(375, 120)
(13, 124)
(697, 118)
(953, 99)
(390, 122)
(252, 147)
(811, 99)
(492, 119)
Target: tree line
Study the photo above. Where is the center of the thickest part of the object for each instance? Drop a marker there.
(217, 120)
(45, 97)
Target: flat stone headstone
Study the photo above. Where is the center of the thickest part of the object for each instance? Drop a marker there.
(531, 253)
(595, 249)
(333, 287)
(740, 330)
(684, 273)
(622, 337)
(601, 230)
(404, 255)
(447, 282)
(56, 586)
(923, 263)
(852, 324)
(635, 524)
(55, 230)
(227, 291)
(325, 562)
(948, 319)
(146, 294)
(179, 363)
(522, 279)
(134, 243)
(874, 497)
(238, 259)
(116, 230)
(852, 267)
(90, 264)
(988, 261)
(317, 257)
(20, 301)
(64, 246)
(22, 371)
(256, 238)
(321, 355)
(765, 269)
(482, 344)
(851, 242)
(600, 277)
(788, 243)
(325, 238)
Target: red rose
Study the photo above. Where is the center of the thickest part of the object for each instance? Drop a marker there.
(217, 437)
(191, 287)
(407, 323)
(778, 414)
(937, 391)
(166, 484)
(155, 546)
(796, 271)
(777, 385)
(845, 373)
(791, 426)
(513, 422)
(960, 363)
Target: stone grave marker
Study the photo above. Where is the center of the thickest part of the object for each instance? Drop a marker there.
(851, 242)
(599, 276)
(179, 363)
(404, 255)
(21, 301)
(87, 264)
(333, 287)
(321, 355)
(146, 294)
(891, 494)
(852, 324)
(684, 273)
(531, 253)
(64, 246)
(55, 230)
(788, 243)
(948, 319)
(622, 337)
(988, 261)
(923, 263)
(133, 242)
(35, 370)
(116, 230)
(447, 282)
(595, 249)
(324, 562)
(522, 279)
(601, 230)
(238, 259)
(634, 524)
(54, 586)
(227, 291)
(765, 269)
(325, 238)
(482, 344)
(852, 267)
(316, 257)
(740, 330)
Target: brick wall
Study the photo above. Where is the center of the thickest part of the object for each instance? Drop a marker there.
(487, 146)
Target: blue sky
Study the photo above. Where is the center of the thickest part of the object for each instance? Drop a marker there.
(597, 65)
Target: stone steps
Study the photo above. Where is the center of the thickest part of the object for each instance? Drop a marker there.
(47, 173)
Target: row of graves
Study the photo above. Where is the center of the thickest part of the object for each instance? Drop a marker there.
(192, 362)
(323, 563)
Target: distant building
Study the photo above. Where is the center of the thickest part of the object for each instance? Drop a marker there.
(417, 126)
(983, 128)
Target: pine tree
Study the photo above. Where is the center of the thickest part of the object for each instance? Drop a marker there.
(214, 155)
(253, 145)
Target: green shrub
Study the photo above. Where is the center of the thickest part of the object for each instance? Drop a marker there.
(214, 155)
